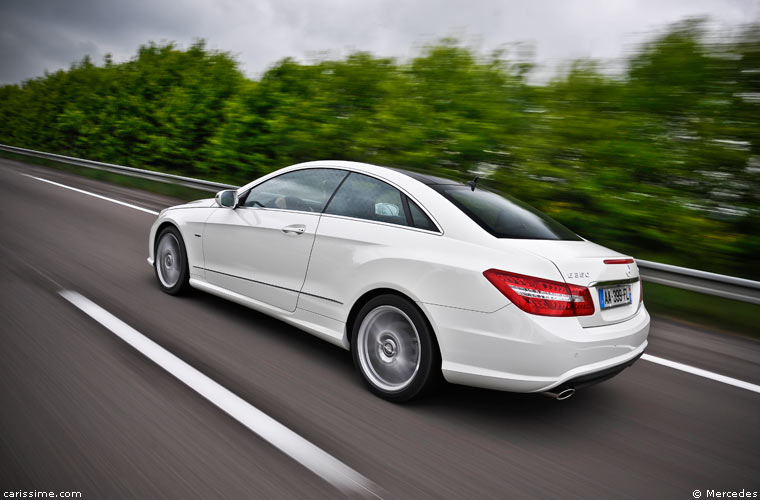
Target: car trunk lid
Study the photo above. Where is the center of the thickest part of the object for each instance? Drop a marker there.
(613, 283)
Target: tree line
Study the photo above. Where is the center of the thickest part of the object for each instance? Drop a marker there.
(661, 160)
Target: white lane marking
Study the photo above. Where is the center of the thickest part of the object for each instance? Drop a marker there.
(315, 459)
(702, 373)
(93, 194)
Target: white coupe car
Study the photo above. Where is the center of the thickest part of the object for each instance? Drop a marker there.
(418, 276)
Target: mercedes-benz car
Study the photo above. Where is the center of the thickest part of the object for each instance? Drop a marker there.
(418, 276)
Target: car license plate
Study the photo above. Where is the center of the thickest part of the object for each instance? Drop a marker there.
(614, 296)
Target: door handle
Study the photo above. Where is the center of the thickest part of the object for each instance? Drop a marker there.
(294, 229)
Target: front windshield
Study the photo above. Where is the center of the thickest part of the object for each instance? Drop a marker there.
(504, 216)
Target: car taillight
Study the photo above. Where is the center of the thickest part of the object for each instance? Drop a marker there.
(541, 296)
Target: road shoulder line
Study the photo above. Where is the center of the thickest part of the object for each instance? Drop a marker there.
(99, 196)
(702, 373)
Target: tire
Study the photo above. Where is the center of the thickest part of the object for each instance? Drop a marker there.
(170, 262)
(394, 349)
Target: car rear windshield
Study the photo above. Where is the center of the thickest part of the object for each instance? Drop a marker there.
(504, 216)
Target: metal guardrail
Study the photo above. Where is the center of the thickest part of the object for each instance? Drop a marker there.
(120, 169)
(719, 285)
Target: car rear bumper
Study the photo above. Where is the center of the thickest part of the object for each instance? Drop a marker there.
(513, 351)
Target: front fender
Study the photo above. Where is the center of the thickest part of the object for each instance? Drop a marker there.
(190, 223)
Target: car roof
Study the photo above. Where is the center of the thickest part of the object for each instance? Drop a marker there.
(429, 180)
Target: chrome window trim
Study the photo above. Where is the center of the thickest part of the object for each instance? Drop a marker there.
(271, 209)
(389, 224)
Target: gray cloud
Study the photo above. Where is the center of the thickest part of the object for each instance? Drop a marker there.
(40, 35)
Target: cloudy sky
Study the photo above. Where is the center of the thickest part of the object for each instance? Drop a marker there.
(39, 35)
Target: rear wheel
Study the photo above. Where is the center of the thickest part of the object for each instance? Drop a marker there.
(171, 261)
(394, 349)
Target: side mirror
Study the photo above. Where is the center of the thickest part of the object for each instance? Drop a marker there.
(227, 198)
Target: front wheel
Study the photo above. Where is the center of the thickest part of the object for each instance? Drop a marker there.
(171, 261)
(394, 349)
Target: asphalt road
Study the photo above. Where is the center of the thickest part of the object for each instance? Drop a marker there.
(81, 410)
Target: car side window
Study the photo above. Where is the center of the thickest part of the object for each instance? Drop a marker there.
(419, 218)
(303, 190)
(365, 197)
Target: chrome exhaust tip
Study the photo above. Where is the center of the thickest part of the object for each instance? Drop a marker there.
(559, 393)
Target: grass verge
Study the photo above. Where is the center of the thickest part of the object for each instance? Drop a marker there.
(707, 310)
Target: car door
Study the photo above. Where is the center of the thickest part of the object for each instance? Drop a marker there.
(261, 248)
(370, 232)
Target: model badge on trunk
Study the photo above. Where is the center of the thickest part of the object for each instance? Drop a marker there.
(582, 274)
